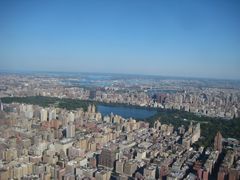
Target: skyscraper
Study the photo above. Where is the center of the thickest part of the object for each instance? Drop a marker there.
(218, 142)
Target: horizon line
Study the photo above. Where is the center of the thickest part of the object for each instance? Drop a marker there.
(116, 73)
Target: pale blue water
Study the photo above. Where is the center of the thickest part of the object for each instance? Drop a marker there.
(126, 112)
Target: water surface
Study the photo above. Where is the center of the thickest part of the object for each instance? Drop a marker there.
(126, 112)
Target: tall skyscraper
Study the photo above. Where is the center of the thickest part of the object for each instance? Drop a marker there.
(218, 142)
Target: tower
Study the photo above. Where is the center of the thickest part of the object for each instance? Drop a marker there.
(218, 142)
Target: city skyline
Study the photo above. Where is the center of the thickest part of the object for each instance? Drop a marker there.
(106, 127)
(182, 39)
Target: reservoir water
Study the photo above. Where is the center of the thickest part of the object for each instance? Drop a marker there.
(126, 112)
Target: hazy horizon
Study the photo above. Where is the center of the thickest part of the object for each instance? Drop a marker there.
(112, 73)
(173, 38)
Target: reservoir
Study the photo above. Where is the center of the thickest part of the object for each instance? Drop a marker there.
(126, 112)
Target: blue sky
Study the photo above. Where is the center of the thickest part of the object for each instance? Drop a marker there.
(199, 38)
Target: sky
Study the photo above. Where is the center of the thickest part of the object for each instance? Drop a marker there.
(185, 38)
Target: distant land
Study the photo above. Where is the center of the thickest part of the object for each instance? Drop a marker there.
(121, 75)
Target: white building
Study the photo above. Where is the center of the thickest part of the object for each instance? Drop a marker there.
(70, 130)
(43, 115)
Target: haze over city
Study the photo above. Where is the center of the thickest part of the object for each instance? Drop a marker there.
(169, 38)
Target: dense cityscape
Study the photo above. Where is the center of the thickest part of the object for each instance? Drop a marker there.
(206, 97)
(50, 142)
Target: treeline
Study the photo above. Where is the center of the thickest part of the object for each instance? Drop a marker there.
(43, 101)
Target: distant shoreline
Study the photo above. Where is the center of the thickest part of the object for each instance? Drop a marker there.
(153, 76)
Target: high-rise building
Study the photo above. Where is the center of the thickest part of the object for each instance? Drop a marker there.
(29, 111)
(43, 115)
(107, 158)
(218, 142)
(52, 114)
(130, 167)
(157, 125)
(1, 105)
(163, 171)
(205, 175)
(4, 175)
(196, 133)
(92, 94)
(150, 172)
(120, 166)
(70, 130)
(190, 128)
(103, 175)
(89, 109)
(70, 117)
(221, 175)
(93, 108)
